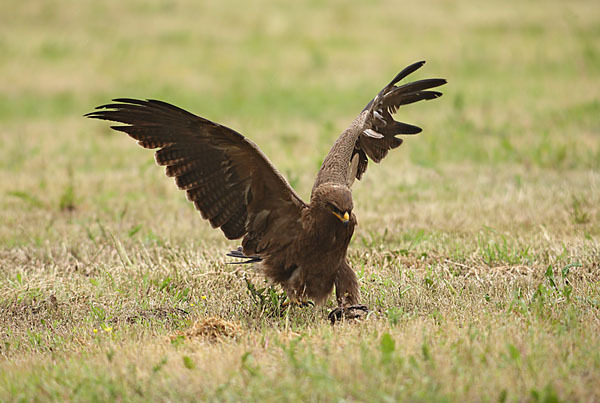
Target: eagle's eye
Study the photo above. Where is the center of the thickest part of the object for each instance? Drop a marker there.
(344, 217)
(334, 208)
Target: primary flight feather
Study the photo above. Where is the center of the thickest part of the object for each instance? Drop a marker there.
(301, 246)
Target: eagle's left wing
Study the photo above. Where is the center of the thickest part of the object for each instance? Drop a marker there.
(373, 133)
(376, 141)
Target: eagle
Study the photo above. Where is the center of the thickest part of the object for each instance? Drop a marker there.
(231, 182)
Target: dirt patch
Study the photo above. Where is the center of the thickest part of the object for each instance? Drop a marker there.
(211, 329)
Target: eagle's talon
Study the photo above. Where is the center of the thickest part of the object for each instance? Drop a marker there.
(347, 312)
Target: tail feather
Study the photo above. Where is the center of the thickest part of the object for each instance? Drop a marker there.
(239, 254)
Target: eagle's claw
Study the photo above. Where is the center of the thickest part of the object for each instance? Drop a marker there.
(347, 312)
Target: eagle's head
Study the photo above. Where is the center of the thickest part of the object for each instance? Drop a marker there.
(333, 200)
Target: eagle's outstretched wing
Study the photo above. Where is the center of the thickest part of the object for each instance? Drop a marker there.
(376, 141)
(374, 131)
(227, 177)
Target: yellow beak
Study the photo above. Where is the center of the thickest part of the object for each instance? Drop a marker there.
(345, 218)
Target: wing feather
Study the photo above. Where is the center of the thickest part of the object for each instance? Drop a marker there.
(229, 180)
(373, 133)
(383, 106)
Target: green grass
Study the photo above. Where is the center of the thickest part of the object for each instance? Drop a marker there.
(478, 246)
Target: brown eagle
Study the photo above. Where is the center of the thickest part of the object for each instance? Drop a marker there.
(302, 246)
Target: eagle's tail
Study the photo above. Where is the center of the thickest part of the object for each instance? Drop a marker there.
(238, 253)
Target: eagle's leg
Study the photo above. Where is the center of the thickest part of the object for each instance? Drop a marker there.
(346, 286)
(347, 294)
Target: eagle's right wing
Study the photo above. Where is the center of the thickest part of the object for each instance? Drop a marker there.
(227, 177)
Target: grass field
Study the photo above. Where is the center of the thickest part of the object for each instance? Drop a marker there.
(478, 246)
